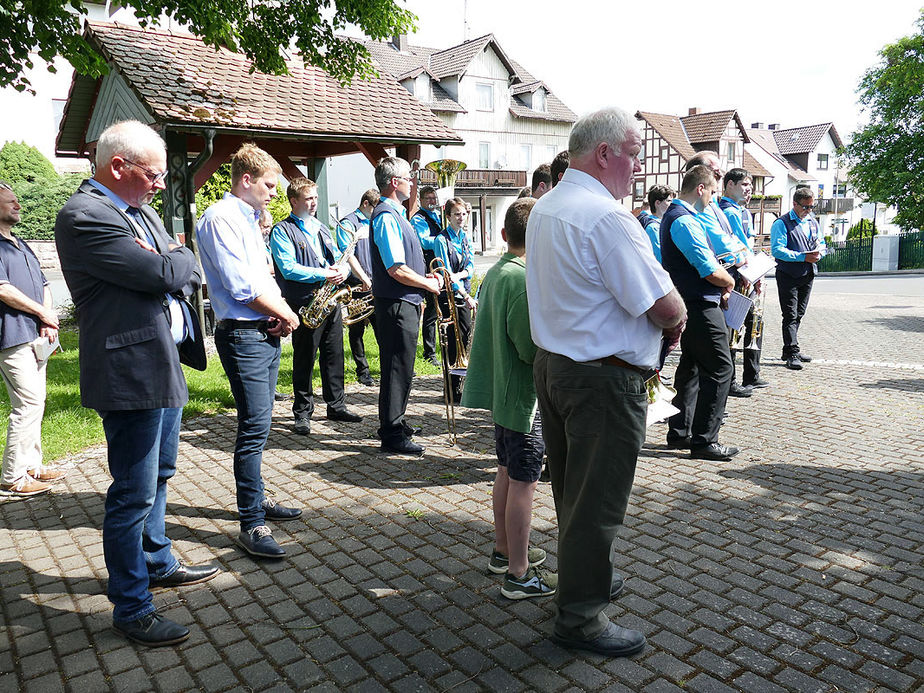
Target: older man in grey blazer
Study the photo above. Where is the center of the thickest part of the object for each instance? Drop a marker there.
(129, 282)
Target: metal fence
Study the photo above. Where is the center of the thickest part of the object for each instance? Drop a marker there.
(911, 250)
(855, 255)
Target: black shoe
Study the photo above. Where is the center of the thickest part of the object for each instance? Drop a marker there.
(409, 430)
(615, 641)
(405, 446)
(152, 630)
(736, 390)
(794, 363)
(617, 585)
(432, 360)
(805, 358)
(679, 443)
(186, 575)
(302, 427)
(715, 452)
(544, 475)
(274, 511)
(281, 396)
(365, 379)
(258, 541)
(757, 383)
(343, 415)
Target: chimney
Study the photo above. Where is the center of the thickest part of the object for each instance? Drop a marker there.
(694, 110)
(757, 126)
(399, 41)
(773, 126)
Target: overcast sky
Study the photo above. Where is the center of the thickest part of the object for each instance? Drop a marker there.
(798, 63)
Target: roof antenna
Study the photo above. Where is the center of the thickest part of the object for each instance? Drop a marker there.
(465, 20)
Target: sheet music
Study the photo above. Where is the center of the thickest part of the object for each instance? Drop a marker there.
(43, 349)
(737, 311)
(757, 266)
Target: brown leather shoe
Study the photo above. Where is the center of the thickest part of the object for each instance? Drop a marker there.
(48, 472)
(24, 488)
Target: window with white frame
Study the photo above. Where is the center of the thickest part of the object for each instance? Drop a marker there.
(822, 162)
(731, 155)
(485, 93)
(539, 100)
(526, 157)
(639, 189)
(551, 151)
(484, 155)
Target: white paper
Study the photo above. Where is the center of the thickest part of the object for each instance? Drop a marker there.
(756, 267)
(43, 349)
(737, 311)
(659, 411)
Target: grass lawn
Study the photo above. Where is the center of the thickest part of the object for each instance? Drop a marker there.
(69, 428)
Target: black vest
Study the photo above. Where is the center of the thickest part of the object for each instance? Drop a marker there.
(383, 285)
(691, 286)
(362, 252)
(797, 241)
(644, 218)
(455, 260)
(295, 293)
(435, 231)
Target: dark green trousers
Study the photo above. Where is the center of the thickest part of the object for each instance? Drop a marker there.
(593, 423)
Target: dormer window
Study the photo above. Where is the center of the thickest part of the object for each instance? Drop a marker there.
(485, 93)
(422, 88)
(539, 100)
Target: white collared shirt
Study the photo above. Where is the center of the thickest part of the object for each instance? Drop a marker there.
(591, 275)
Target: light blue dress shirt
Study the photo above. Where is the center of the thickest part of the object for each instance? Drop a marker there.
(423, 229)
(654, 235)
(284, 252)
(342, 239)
(778, 238)
(689, 236)
(735, 214)
(728, 246)
(234, 258)
(463, 248)
(386, 234)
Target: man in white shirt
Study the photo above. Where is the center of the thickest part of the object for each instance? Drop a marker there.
(599, 305)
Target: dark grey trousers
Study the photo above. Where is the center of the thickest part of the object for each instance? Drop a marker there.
(593, 423)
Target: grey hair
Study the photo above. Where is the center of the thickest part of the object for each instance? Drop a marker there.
(611, 125)
(129, 138)
(390, 167)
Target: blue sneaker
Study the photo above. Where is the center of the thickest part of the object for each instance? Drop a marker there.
(258, 541)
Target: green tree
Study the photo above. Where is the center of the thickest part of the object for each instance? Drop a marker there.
(862, 229)
(887, 156)
(41, 200)
(257, 28)
(21, 163)
(220, 182)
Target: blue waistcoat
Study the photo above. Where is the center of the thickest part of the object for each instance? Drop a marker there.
(363, 253)
(296, 293)
(383, 285)
(797, 241)
(691, 286)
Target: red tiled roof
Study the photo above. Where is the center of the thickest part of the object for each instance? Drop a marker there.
(766, 141)
(181, 80)
(804, 139)
(709, 127)
(753, 166)
(671, 130)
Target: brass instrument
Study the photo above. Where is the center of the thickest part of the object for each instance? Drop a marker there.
(446, 171)
(331, 296)
(757, 324)
(443, 323)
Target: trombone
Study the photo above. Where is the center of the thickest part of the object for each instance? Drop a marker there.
(459, 367)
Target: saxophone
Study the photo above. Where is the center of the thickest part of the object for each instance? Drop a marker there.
(331, 296)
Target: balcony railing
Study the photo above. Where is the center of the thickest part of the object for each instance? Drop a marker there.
(481, 178)
(834, 205)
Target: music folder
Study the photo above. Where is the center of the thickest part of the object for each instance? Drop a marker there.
(757, 266)
(737, 311)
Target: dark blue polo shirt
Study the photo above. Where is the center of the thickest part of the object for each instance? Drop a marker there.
(20, 267)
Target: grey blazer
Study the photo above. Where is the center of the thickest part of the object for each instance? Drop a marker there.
(128, 359)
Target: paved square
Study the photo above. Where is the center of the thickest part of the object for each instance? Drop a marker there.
(797, 567)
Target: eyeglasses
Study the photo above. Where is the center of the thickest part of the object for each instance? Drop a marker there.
(811, 206)
(5, 186)
(152, 176)
(404, 178)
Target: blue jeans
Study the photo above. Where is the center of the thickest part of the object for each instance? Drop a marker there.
(142, 457)
(250, 358)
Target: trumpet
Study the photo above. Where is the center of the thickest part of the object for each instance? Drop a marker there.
(459, 367)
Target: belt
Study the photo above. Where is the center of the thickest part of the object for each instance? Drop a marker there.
(616, 361)
(229, 324)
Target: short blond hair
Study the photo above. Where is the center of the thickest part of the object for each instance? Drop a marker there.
(298, 186)
(253, 160)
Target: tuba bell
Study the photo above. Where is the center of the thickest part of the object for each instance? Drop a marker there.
(446, 171)
(331, 296)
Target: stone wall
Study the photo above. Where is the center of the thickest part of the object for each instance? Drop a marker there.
(46, 253)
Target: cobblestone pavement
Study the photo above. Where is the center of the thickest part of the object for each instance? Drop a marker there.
(797, 567)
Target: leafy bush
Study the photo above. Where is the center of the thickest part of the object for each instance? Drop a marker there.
(41, 202)
(20, 163)
(220, 182)
(862, 229)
